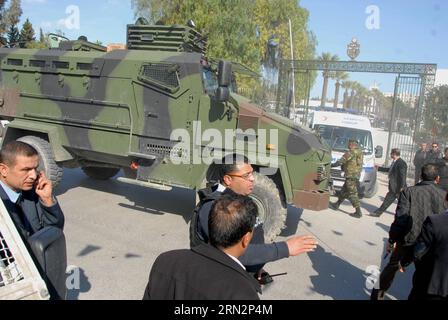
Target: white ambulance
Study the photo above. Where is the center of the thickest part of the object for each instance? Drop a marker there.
(336, 128)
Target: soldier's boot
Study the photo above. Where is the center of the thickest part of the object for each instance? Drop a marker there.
(357, 213)
(335, 205)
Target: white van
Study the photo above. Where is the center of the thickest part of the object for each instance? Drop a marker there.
(336, 128)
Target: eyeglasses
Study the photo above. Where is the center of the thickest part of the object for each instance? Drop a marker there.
(245, 176)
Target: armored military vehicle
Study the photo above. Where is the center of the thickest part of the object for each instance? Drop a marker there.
(153, 110)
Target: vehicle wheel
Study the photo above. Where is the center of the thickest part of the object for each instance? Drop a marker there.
(47, 163)
(270, 207)
(100, 173)
(370, 194)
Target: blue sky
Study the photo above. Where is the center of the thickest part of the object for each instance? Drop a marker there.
(409, 30)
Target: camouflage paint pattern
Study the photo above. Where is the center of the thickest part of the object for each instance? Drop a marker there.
(351, 163)
(119, 107)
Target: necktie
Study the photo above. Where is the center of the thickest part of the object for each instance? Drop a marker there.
(26, 224)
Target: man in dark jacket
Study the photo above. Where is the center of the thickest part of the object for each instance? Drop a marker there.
(28, 197)
(210, 271)
(430, 279)
(236, 175)
(414, 205)
(434, 154)
(397, 181)
(420, 160)
(443, 171)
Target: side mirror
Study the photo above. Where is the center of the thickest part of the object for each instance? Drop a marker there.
(224, 73)
(378, 152)
(222, 94)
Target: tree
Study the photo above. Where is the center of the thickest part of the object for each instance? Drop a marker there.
(13, 36)
(326, 57)
(338, 76)
(27, 34)
(12, 18)
(14, 13)
(436, 115)
(41, 36)
(3, 22)
(272, 19)
(238, 30)
(9, 18)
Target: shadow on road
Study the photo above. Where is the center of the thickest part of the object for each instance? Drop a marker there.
(383, 226)
(178, 201)
(340, 280)
(88, 250)
(336, 278)
(77, 282)
(292, 221)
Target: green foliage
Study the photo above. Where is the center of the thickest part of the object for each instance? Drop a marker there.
(239, 30)
(42, 37)
(9, 19)
(3, 20)
(14, 13)
(27, 34)
(13, 36)
(436, 117)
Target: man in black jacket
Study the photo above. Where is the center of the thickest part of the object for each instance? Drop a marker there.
(430, 281)
(28, 197)
(419, 161)
(210, 271)
(434, 154)
(414, 205)
(236, 175)
(443, 170)
(397, 181)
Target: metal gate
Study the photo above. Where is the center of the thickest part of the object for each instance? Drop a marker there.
(413, 82)
(407, 116)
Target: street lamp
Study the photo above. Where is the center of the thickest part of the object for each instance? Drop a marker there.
(353, 49)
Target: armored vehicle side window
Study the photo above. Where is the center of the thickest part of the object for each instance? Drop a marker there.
(60, 65)
(165, 76)
(210, 81)
(14, 62)
(37, 63)
(84, 66)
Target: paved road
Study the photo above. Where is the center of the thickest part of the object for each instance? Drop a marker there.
(115, 231)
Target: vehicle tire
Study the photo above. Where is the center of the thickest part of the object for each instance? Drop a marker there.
(370, 194)
(47, 162)
(100, 173)
(270, 206)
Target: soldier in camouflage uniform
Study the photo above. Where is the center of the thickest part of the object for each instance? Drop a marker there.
(351, 164)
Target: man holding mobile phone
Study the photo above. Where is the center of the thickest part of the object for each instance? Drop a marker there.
(28, 196)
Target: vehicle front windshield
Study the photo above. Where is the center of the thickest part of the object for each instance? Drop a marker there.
(210, 80)
(338, 137)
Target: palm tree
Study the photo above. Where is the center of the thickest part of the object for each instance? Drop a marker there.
(360, 94)
(326, 57)
(347, 85)
(338, 76)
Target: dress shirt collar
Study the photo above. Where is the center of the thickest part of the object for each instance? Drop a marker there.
(12, 195)
(236, 260)
(221, 188)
